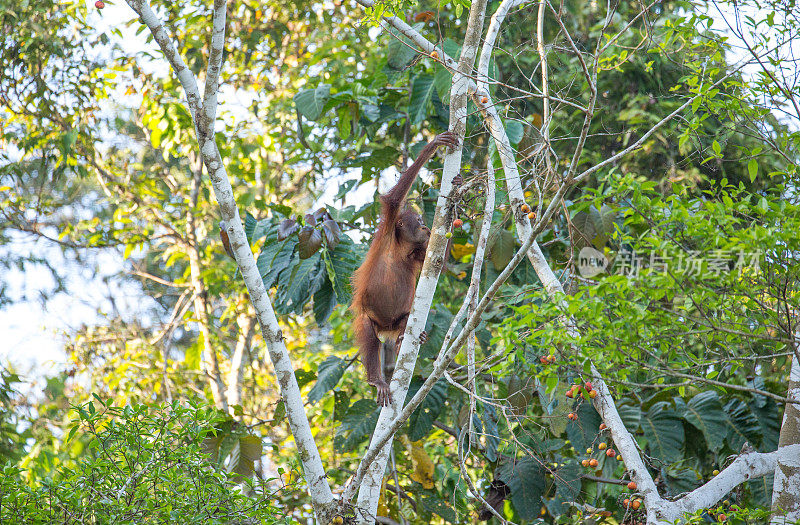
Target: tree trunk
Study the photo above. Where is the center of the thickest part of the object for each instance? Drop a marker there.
(786, 489)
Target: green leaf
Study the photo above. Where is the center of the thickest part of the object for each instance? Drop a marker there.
(343, 261)
(357, 425)
(502, 247)
(491, 432)
(768, 415)
(525, 478)
(421, 420)
(329, 374)
(324, 301)
(568, 488)
(752, 169)
(631, 415)
(400, 51)
(295, 291)
(439, 508)
(311, 102)
(421, 90)
(704, 412)
(273, 259)
(442, 81)
(344, 122)
(761, 490)
(664, 432)
(249, 227)
(743, 426)
(515, 131)
(583, 431)
(717, 148)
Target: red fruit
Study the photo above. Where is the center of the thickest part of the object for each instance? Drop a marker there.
(525, 208)
(593, 462)
(99, 4)
(458, 223)
(484, 100)
(592, 394)
(627, 502)
(610, 453)
(585, 462)
(588, 386)
(543, 360)
(573, 416)
(722, 517)
(603, 426)
(632, 485)
(570, 393)
(636, 504)
(434, 55)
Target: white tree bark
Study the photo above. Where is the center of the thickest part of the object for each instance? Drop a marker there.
(786, 488)
(204, 115)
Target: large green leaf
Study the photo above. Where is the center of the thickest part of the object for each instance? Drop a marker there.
(664, 432)
(568, 488)
(761, 490)
(329, 374)
(357, 425)
(295, 290)
(311, 102)
(631, 415)
(743, 426)
(525, 478)
(769, 417)
(436, 327)
(491, 432)
(249, 227)
(273, 259)
(421, 90)
(680, 480)
(421, 420)
(439, 508)
(324, 301)
(502, 247)
(704, 412)
(583, 431)
(399, 50)
(514, 130)
(341, 262)
(442, 81)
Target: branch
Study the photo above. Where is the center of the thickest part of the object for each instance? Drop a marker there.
(215, 57)
(745, 467)
(185, 76)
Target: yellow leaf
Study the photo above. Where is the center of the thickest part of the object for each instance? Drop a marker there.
(460, 250)
(422, 464)
(383, 510)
